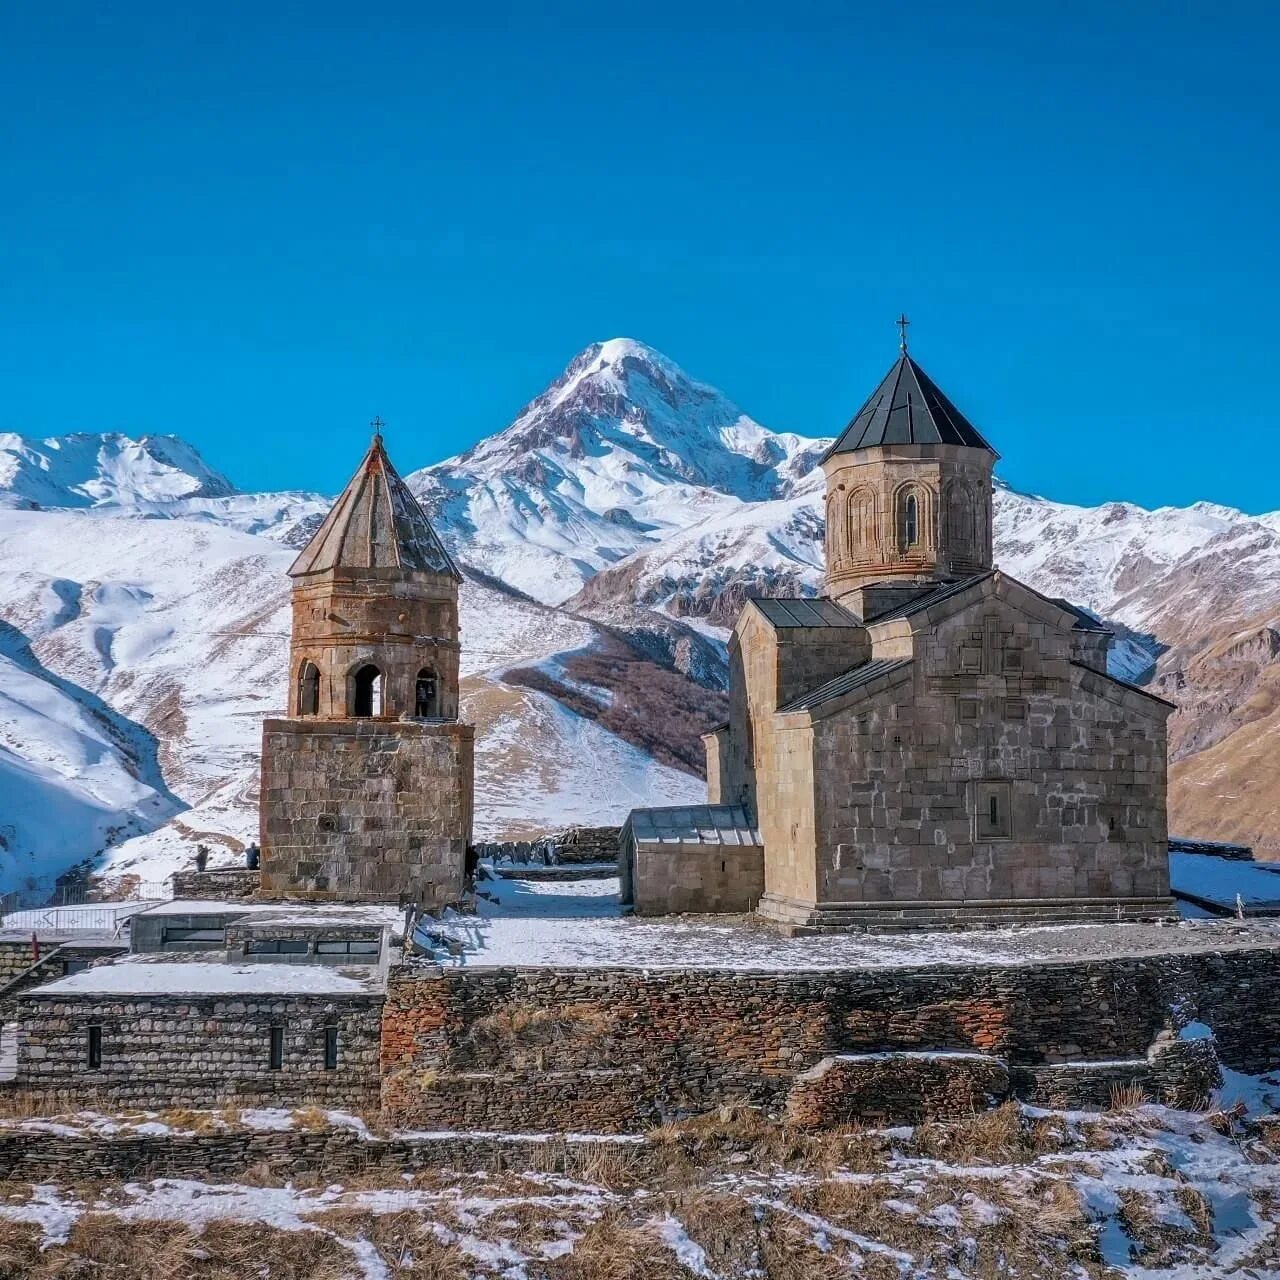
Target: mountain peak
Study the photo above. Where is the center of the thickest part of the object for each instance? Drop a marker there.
(104, 469)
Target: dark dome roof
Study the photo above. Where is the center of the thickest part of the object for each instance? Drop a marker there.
(908, 408)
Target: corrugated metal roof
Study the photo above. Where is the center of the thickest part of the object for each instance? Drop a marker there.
(842, 684)
(700, 824)
(907, 408)
(938, 594)
(376, 523)
(797, 611)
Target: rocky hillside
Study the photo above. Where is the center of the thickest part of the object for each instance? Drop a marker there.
(610, 535)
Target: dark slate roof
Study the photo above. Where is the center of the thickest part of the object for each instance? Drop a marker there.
(697, 824)
(1085, 621)
(907, 408)
(376, 523)
(932, 597)
(803, 612)
(845, 683)
(1124, 684)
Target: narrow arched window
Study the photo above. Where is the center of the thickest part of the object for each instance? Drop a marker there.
(909, 522)
(367, 695)
(309, 690)
(426, 703)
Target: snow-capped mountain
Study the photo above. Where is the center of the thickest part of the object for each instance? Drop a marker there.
(621, 450)
(620, 520)
(86, 470)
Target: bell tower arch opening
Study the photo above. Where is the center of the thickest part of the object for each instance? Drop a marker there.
(367, 691)
(426, 694)
(309, 689)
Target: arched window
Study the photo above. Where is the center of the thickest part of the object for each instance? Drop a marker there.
(367, 695)
(909, 521)
(837, 534)
(309, 690)
(862, 522)
(426, 703)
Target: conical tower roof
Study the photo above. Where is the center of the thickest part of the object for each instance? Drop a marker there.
(376, 523)
(907, 408)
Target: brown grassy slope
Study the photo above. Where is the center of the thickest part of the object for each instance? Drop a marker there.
(658, 710)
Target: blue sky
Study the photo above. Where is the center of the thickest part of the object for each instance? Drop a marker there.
(258, 226)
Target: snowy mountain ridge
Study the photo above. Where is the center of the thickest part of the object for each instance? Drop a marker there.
(633, 509)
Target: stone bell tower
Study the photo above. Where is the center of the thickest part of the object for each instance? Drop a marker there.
(367, 785)
(908, 494)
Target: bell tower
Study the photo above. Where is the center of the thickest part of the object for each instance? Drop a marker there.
(909, 498)
(367, 783)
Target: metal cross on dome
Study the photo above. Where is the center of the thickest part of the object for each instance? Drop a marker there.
(902, 323)
(377, 424)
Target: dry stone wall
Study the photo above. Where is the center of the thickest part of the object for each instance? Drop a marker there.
(618, 1050)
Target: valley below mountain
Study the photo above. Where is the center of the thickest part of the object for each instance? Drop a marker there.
(609, 537)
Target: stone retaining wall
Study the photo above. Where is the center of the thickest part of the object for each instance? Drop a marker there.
(35, 1156)
(617, 1050)
(224, 883)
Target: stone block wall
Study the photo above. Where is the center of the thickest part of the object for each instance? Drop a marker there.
(207, 1051)
(224, 883)
(991, 707)
(668, 879)
(896, 1088)
(366, 809)
(619, 1050)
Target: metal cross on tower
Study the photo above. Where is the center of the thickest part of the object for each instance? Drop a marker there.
(902, 323)
(377, 424)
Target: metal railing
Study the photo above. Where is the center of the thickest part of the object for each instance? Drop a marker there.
(80, 907)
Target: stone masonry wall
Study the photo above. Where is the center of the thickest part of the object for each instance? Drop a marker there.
(620, 1050)
(991, 707)
(207, 1051)
(366, 809)
(617, 1050)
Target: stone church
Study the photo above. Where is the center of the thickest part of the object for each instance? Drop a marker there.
(367, 784)
(930, 742)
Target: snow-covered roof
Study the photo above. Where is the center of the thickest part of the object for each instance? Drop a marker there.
(699, 824)
(137, 975)
(376, 523)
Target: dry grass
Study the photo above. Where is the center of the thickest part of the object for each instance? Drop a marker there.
(411, 1246)
(730, 1133)
(1128, 1097)
(522, 1035)
(999, 1136)
(614, 1249)
(310, 1118)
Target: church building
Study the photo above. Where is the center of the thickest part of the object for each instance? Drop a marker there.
(928, 743)
(367, 784)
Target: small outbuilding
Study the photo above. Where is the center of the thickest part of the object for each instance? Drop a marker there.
(705, 857)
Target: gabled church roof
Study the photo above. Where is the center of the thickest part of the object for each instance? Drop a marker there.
(907, 408)
(376, 523)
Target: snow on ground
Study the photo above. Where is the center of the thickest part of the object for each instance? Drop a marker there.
(540, 767)
(1151, 1194)
(580, 923)
(139, 656)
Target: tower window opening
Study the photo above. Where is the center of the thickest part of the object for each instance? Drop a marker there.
(910, 521)
(309, 690)
(426, 701)
(368, 692)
